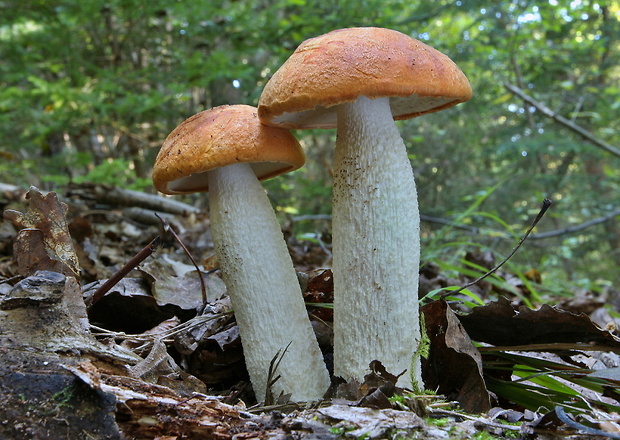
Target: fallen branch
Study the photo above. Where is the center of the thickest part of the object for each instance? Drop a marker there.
(423, 217)
(580, 227)
(585, 134)
(10, 188)
(114, 196)
(123, 271)
(495, 233)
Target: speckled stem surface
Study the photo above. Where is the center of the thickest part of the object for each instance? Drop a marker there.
(376, 244)
(263, 286)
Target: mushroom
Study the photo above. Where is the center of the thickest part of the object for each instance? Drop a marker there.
(359, 81)
(226, 151)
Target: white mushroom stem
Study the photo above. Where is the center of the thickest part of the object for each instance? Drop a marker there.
(263, 286)
(376, 245)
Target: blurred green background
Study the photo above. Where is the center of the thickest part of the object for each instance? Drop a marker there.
(90, 89)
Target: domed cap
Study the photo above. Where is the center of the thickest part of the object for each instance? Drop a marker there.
(341, 65)
(219, 137)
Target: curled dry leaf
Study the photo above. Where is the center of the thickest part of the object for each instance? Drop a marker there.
(52, 248)
(378, 386)
(453, 366)
(500, 323)
(31, 254)
(320, 289)
(200, 328)
(128, 307)
(176, 283)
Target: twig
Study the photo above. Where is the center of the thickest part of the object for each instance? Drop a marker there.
(203, 286)
(284, 407)
(322, 245)
(123, 271)
(545, 206)
(585, 134)
(576, 228)
(496, 233)
(429, 218)
(447, 222)
(301, 218)
(125, 197)
(11, 279)
(166, 335)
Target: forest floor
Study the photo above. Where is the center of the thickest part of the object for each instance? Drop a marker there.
(141, 357)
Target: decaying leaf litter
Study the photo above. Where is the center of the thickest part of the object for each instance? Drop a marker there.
(174, 372)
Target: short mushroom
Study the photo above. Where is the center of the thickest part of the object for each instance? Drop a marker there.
(359, 81)
(225, 151)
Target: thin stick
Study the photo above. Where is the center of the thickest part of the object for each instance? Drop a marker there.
(203, 286)
(11, 279)
(546, 204)
(565, 122)
(123, 271)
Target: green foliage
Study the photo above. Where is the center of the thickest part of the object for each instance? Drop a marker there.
(438, 293)
(113, 172)
(117, 172)
(63, 397)
(545, 384)
(112, 78)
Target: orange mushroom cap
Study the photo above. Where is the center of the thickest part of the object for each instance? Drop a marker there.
(219, 137)
(342, 65)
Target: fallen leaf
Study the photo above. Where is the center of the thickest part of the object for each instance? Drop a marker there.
(500, 323)
(47, 214)
(370, 422)
(213, 318)
(31, 254)
(454, 365)
(219, 358)
(378, 386)
(320, 290)
(176, 283)
(127, 307)
(226, 338)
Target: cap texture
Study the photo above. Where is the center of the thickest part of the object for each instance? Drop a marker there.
(219, 137)
(341, 65)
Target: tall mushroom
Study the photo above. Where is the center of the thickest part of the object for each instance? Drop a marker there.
(225, 151)
(359, 80)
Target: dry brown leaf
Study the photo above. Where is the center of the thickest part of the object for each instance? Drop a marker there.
(320, 289)
(31, 254)
(46, 214)
(454, 365)
(128, 307)
(176, 283)
(500, 323)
